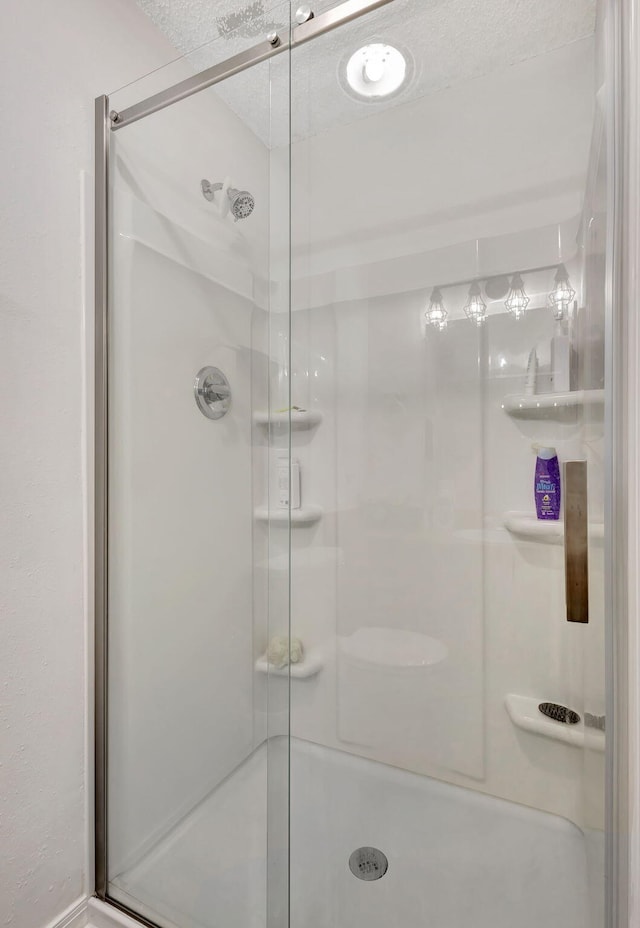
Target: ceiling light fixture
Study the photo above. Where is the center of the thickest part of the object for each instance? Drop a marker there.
(436, 315)
(376, 70)
(562, 295)
(517, 301)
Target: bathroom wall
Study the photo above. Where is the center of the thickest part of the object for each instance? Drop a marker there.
(56, 58)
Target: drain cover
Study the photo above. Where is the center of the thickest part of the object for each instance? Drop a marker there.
(559, 713)
(368, 863)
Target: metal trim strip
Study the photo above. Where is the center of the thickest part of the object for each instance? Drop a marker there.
(101, 296)
(318, 25)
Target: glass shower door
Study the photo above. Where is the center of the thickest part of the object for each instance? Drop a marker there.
(447, 752)
(197, 767)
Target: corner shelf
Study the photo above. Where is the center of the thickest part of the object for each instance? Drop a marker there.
(527, 525)
(307, 515)
(305, 419)
(524, 713)
(309, 666)
(550, 405)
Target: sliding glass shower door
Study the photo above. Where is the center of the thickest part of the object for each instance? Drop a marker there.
(354, 632)
(448, 181)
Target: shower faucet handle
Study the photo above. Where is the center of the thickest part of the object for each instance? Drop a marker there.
(212, 392)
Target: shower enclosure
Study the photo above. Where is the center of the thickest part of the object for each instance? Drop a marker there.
(354, 277)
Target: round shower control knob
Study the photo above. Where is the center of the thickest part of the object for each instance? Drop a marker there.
(212, 392)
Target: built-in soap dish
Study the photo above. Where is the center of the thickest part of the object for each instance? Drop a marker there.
(526, 525)
(550, 405)
(296, 419)
(525, 712)
(306, 515)
(311, 664)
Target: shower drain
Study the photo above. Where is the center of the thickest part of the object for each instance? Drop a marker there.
(368, 863)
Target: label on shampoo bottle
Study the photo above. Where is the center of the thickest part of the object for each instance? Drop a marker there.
(547, 485)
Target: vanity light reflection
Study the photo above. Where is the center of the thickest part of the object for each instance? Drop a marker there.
(517, 301)
(562, 295)
(476, 308)
(560, 299)
(436, 315)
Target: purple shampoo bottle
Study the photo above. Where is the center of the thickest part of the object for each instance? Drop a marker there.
(547, 484)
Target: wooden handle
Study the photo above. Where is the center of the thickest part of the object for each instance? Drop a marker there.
(576, 541)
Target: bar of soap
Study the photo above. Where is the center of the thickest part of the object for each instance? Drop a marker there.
(279, 654)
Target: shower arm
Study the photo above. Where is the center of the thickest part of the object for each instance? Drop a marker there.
(209, 190)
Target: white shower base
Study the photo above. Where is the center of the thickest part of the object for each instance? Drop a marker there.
(457, 859)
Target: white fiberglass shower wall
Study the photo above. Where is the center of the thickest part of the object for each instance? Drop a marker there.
(428, 600)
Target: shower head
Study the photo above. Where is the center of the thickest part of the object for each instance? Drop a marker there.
(241, 202)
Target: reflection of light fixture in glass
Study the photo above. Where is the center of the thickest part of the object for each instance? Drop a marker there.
(436, 315)
(476, 308)
(376, 70)
(562, 294)
(517, 301)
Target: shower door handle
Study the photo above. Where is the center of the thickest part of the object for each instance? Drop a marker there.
(576, 541)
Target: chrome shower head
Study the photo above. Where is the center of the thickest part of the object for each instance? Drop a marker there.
(242, 203)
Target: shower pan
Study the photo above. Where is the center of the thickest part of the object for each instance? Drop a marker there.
(347, 672)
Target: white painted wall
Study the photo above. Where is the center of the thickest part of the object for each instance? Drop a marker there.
(55, 59)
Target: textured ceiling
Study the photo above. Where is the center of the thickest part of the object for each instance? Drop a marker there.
(449, 41)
